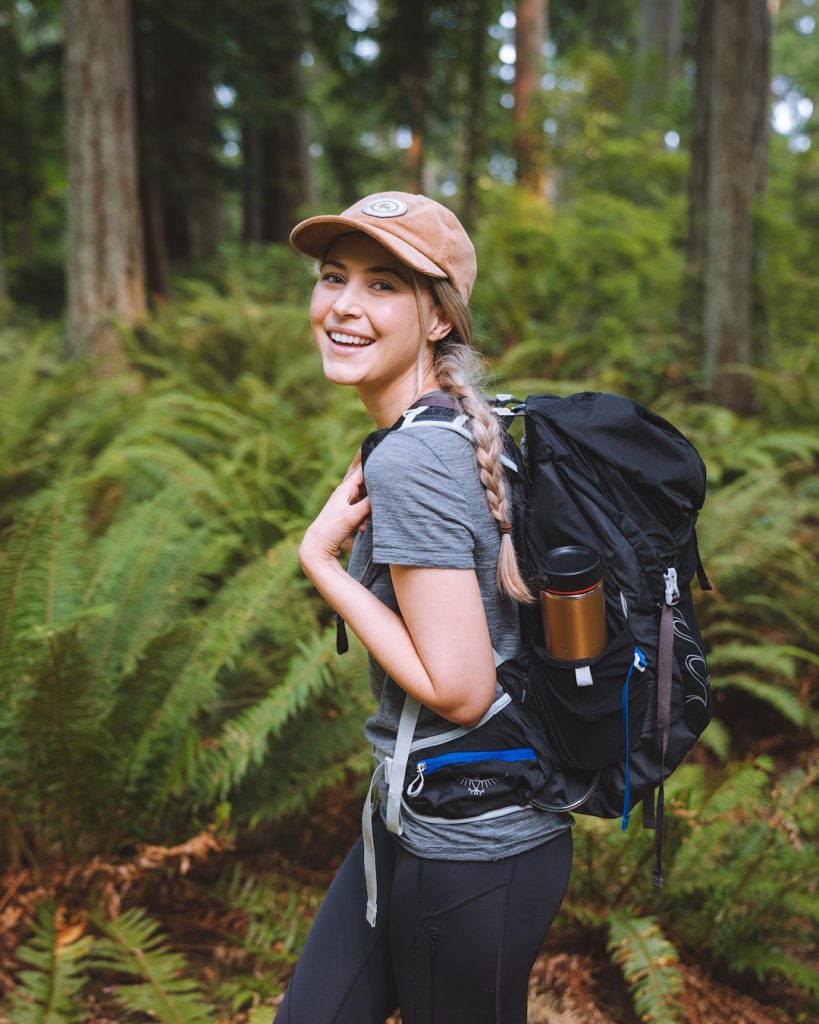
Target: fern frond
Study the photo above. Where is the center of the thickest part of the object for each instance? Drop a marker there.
(164, 987)
(42, 576)
(150, 567)
(717, 738)
(650, 965)
(49, 992)
(245, 739)
(768, 658)
(783, 700)
(777, 961)
(235, 616)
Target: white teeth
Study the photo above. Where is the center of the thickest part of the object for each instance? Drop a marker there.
(349, 339)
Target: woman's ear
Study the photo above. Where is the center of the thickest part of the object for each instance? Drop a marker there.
(439, 326)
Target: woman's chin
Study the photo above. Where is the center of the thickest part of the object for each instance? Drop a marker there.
(340, 372)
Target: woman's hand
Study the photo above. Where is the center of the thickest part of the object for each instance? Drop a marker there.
(344, 512)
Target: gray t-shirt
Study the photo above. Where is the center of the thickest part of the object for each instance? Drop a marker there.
(429, 508)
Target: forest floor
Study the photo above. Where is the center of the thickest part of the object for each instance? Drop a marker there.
(573, 981)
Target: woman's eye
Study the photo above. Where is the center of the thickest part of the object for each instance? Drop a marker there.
(331, 278)
(382, 286)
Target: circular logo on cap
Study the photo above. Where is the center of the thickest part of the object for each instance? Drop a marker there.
(385, 208)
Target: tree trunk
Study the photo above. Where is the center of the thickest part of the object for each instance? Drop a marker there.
(416, 153)
(156, 250)
(693, 290)
(4, 294)
(27, 171)
(476, 101)
(252, 227)
(105, 275)
(530, 35)
(284, 139)
(735, 119)
(659, 50)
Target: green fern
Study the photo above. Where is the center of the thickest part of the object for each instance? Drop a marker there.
(151, 566)
(49, 992)
(233, 619)
(246, 738)
(163, 984)
(650, 965)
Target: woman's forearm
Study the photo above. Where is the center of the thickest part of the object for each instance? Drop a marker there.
(384, 634)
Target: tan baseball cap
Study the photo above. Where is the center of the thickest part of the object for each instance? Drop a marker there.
(420, 232)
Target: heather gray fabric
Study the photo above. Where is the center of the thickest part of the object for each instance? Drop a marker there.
(429, 509)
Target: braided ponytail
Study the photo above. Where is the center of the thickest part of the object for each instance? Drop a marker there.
(459, 372)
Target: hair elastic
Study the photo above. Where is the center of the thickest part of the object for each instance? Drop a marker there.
(505, 526)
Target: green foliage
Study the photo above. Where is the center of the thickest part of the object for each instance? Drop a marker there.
(650, 966)
(161, 651)
(740, 867)
(588, 290)
(49, 991)
(163, 986)
(749, 865)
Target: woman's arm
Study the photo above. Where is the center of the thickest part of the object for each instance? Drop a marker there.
(440, 651)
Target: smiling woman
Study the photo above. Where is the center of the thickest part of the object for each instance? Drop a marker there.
(430, 590)
(366, 299)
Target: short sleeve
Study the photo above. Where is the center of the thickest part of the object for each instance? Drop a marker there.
(419, 513)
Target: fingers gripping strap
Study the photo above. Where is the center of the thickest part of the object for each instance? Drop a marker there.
(369, 847)
(398, 768)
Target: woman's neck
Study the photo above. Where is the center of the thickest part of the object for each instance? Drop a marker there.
(385, 405)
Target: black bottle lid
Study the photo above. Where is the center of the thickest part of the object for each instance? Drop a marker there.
(571, 570)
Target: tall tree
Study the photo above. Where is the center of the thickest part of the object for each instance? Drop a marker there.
(408, 38)
(264, 66)
(728, 172)
(181, 174)
(104, 241)
(530, 35)
(475, 107)
(659, 49)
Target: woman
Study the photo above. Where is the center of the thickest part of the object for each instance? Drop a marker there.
(430, 590)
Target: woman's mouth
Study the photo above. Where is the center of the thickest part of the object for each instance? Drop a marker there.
(345, 340)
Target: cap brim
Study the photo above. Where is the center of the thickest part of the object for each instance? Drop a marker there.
(314, 235)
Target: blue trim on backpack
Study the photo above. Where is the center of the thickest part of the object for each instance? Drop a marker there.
(432, 764)
(639, 660)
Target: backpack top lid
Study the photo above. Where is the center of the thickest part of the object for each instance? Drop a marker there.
(627, 447)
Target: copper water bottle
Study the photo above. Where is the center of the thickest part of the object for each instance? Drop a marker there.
(572, 604)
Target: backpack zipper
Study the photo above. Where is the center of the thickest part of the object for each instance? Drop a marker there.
(434, 764)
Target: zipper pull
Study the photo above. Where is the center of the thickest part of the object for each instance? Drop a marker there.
(417, 784)
(672, 591)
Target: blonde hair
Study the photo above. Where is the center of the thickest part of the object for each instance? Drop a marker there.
(459, 371)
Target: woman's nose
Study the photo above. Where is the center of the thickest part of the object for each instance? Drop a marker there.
(347, 302)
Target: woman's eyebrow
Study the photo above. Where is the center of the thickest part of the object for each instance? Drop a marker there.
(367, 270)
(386, 270)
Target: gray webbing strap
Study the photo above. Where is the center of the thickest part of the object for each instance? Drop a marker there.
(665, 655)
(393, 770)
(369, 847)
(397, 766)
(458, 425)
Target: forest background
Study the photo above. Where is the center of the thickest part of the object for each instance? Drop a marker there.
(641, 178)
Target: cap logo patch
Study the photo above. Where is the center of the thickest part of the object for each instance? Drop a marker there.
(385, 208)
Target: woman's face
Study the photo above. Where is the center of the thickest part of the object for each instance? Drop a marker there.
(364, 316)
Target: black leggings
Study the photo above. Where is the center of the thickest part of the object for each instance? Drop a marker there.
(454, 941)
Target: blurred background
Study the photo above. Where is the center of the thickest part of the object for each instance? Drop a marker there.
(181, 754)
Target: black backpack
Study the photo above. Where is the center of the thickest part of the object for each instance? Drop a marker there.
(601, 471)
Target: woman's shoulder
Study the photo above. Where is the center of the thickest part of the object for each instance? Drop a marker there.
(429, 448)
